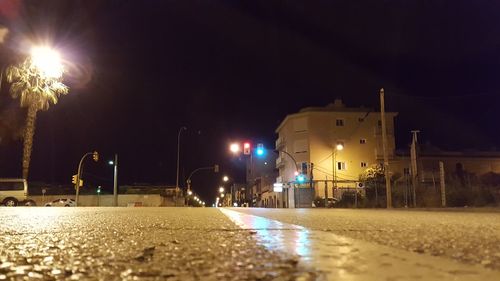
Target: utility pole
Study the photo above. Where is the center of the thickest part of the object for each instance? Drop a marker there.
(183, 128)
(441, 181)
(386, 157)
(414, 166)
(115, 181)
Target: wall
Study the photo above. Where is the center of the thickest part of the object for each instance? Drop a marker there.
(147, 200)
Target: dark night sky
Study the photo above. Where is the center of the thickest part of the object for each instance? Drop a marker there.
(234, 69)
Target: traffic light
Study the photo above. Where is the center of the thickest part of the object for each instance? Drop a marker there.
(260, 149)
(73, 179)
(300, 178)
(99, 190)
(95, 156)
(246, 148)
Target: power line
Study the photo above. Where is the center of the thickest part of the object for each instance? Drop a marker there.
(464, 96)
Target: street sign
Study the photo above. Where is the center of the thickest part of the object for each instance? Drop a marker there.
(278, 187)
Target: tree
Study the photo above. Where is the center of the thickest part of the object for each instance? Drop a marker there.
(36, 89)
(373, 177)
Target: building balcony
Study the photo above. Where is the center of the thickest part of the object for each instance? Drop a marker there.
(280, 162)
(280, 142)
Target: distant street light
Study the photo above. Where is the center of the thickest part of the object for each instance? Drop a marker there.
(190, 192)
(221, 189)
(234, 148)
(225, 178)
(340, 146)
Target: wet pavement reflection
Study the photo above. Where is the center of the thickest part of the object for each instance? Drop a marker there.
(343, 258)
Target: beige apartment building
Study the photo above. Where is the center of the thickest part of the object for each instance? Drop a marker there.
(311, 137)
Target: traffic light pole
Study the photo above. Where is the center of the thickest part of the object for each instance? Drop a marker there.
(188, 181)
(77, 184)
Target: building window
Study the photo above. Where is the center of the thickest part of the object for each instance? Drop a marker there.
(339, 122)
(362, 141)
(303, 168)
(341, 166)
(364, 164)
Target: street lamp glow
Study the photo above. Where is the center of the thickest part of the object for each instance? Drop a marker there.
(221, 189)
(225, 178)
(234, 148)
(340, 146)
(222, 195)
(195, 198)
(296, 173)
(111, 162)
(190, 192)
(47, 61)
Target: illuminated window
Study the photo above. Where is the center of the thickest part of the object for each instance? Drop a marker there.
(339, 122)
(364, 164)
(362, 141)
(341, 166)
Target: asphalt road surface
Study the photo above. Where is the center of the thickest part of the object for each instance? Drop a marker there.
(234, 244)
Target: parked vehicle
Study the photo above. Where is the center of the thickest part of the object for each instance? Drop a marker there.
(14, 192)
(63, 202)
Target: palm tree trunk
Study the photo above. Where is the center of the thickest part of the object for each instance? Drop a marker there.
(29, 132)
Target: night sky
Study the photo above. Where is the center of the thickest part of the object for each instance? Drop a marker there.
(232, 70)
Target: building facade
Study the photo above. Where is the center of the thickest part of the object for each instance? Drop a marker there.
(308, 142)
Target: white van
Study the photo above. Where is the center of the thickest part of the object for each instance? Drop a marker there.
(14, 192)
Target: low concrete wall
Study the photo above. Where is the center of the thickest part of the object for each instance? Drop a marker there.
(147, 200)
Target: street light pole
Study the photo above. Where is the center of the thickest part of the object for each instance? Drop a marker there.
(334, 183)
(115, 181)
(183, 128)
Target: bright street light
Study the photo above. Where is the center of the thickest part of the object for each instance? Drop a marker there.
(221, 189)
(234, 148)
(47, 61)
(222, 195)
(340, 146)
(190, 192)
(110, 162)
(225, 178)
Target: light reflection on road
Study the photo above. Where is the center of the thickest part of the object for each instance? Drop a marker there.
(343, 258)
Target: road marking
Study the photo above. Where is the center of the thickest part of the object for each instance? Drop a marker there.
(343, 258)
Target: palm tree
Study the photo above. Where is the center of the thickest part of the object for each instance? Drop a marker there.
(36, 89)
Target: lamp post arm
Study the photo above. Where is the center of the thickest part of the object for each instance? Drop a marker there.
(289, 155)
(78, 176)
(188, 181)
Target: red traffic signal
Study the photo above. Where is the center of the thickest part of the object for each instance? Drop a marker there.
(246, 148)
